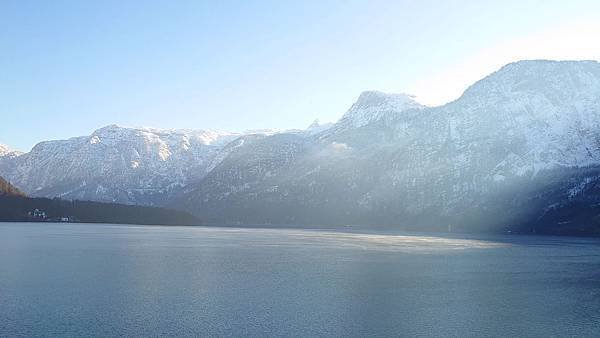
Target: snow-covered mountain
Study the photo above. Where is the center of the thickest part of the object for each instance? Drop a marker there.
(119, 164)
(526, 135)
(7, 152)
(4, 150)
(317, 127)
(519, 145)
(128, 165)
(371, 105)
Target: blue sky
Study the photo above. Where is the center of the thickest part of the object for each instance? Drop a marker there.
(70, 67)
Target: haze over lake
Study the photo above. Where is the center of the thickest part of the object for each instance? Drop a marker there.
(103, 280)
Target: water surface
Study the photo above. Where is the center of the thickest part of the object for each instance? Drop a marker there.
(108, 280)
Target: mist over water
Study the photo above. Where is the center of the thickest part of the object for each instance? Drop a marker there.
(99, 280)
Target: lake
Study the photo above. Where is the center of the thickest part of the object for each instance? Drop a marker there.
(108, 280)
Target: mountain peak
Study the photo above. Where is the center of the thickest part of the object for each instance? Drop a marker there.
(545, 62)
(562, 80)
(371, 97)
(371, 105)
(109, 128)
(315, 124)
(316, 127)
(112, 127)
(4, 150)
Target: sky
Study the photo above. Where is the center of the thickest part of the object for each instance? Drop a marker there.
(70, 67)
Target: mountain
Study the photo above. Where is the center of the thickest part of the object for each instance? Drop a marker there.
(7, 152)
(8, 189)
(317, 127)
(515, 146)
(372, 105)
(4, 150)
(518, 151)
(116, 164)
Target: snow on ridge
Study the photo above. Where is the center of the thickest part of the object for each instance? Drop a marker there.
(372, 105)
(4, 150)
(317, 127)
(548, 77)
(171, 136)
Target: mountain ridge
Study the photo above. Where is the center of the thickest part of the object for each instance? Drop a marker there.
(453, 163)
(528, 134)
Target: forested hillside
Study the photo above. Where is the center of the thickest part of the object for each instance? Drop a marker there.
(20, 208)
(8, 189)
